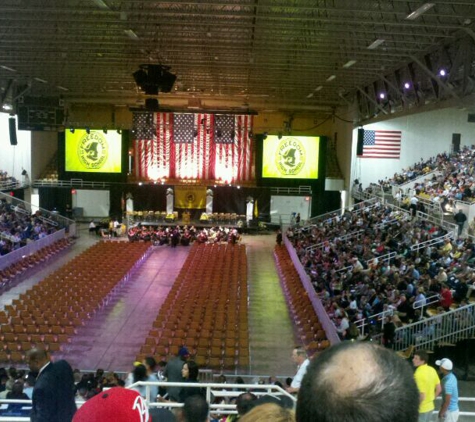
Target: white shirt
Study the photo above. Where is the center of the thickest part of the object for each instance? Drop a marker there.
(301, 371)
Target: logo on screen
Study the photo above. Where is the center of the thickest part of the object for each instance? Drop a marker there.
(93, 150)
(290, 156)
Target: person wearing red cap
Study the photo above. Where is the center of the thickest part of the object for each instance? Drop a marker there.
(114, 405)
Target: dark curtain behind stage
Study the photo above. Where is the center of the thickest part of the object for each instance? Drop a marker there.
(51, 198)
(148, 197)
(230, 199)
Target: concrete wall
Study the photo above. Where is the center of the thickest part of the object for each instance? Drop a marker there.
(423, 136)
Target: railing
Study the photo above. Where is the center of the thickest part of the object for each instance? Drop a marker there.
(30, 248)
(383, 258)
(70, 183)
(323, 317)
(358, 234)
(411, 183)
(216, 390)
(448, 327)
(422, 303)
(52, 218)
(300, 190)
(363, 322)
(450, 227)
(418, 246)
(432, 207)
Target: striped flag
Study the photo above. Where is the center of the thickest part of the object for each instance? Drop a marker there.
(381, 144)
(193, 146)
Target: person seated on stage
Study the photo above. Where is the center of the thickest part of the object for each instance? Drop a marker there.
(92, 227)
(202, 236)
(186, 238)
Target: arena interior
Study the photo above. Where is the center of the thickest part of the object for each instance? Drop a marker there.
(238, 179)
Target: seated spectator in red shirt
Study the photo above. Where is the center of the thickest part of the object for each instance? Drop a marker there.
(445, 298)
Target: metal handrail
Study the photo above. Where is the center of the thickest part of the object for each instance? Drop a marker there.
(451, 326)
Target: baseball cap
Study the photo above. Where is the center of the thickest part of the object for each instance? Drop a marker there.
(445, 363)
(117, 404)
(183, 352)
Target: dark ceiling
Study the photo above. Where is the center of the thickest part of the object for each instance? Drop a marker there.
(285, 55)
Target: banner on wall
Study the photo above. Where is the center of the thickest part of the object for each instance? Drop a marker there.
(193, 146)
(190, 197)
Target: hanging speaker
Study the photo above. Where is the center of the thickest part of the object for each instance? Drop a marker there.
(359, 145)
(12, 127)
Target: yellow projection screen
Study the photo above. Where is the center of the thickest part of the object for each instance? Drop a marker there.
(292, 157)
(94, 152)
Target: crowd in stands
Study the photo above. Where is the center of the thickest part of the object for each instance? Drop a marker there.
(18, 226)
(347, 260)
(182, 235)
(456, 181)
(5, 179)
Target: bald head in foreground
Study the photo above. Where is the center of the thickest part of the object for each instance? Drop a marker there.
(354, 382)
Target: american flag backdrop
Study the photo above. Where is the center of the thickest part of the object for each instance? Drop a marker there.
(381, 144)
(194, 146)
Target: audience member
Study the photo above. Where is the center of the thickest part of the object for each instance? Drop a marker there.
(428, 384)
(358, 381)
(173, 373)
(299, 356)
(53, 394)
(195, 409)
(269, 412)
(449, 411)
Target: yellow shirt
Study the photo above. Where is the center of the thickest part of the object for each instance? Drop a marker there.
(427, 380)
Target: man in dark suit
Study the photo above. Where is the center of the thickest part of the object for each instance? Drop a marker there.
(53, 395)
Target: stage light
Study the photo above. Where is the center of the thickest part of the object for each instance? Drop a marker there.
(119, 131)
(442, 72)
(105, 130)
(250, 134)
(71, 129)
(407, 85)
(382, 95)
(279, 135)
(264, 135)
(88, 130)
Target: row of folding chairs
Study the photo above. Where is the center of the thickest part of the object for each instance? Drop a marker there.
(209, 326)
(64, 302)
(309, 329)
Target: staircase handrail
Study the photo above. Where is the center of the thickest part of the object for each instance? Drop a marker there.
(414, 181)
(421, 245)
(381, 316)
(450, 227)
(448, 327)
(386, 257)
(345, 237)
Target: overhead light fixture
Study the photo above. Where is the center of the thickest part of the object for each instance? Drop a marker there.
(442, 72)
(8, 68)
(62, 88)
(104, 130)
(119, 131)
(349, 63)
(7, 107)
(382, 95)
(318, 88)
(331, 78)
(279, 135)
(310, 95)
(418, 12)
(101, 5)
(40, 80)
(131, 34)
(407, 85)
(71, 129)
(375, 44)
(88, 130)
